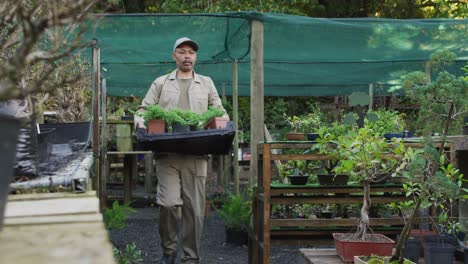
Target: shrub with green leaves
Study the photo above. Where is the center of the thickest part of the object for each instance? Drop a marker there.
(154, 112)
(114, 218)
(235, 212)
(187, 117)
(130, 255)
(211, 113)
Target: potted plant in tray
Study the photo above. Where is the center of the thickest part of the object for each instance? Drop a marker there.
(214, 118)
(326, 144)
(187, 120)
(155, 119)
(235, 213)
(364, 154)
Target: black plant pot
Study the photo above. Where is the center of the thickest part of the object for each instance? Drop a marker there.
(412, 249)
(332, 179)
(465, 255)
(236, 237)
(10, 127)
(312, 136)
(298, 179)
(438, 253)
(178, 128)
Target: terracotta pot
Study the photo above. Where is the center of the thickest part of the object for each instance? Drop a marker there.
(217, 123)
(295, 136)
(346, 250)
(156, 126)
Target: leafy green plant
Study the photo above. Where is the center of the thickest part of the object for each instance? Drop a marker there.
(211, 113)
(187, 117)
(386, 121)
(235, 212)
(114, 218)
(130, 255)
(441, 102)
(305, 123)
(154, 112)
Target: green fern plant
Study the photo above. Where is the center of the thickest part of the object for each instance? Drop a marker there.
(235, 212)
(114, 218)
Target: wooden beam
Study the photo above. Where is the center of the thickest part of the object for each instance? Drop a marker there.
(256, 96)
(103, 149)
(235, 116)
(96, 79)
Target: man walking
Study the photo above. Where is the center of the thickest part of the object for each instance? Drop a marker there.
(181, 178)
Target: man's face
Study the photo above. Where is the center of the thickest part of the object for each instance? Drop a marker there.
(185, 57)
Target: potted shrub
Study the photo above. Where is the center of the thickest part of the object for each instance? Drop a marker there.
(364, 154)
(326, 144)
(294, 170)
(155, 119)
(214, 118)
(390, 124)
(441, 101)
(235, 213)
(304, 124)
(188, 120)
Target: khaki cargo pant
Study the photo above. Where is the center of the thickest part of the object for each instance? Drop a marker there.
(181, 183)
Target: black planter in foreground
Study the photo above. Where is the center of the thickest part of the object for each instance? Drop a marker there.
(412, 249)
(236, 237)
(8, 139)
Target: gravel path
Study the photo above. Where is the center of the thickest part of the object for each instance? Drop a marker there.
(142, 228)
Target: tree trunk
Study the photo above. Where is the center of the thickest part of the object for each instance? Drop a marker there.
(364, 220)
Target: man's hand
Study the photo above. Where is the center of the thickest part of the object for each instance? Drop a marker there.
(139, 122)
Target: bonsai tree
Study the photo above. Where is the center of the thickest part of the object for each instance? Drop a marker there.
(441, 102)
(365, 155)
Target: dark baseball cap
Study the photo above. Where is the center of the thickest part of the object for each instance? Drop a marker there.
(187, 41)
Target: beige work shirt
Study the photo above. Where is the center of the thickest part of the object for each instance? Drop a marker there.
(165, 91)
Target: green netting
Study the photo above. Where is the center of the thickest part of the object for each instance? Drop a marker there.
(302, 56)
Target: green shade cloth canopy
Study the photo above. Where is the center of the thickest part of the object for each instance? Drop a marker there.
(303, 56)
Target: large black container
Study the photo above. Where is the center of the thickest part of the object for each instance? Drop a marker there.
(412, 249)
(438, 253)
(10, 127)
(44, 145)
(213, 141)
(65, 132)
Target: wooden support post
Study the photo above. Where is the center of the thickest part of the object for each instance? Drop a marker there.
(103, 155)
(149, 169)
(123, 134)
(130, 166)
(256, 96)
(235, 116)
(223, 91)
(96, 88)
(220, 171)
(371, 96)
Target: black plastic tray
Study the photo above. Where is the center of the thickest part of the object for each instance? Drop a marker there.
(213, 141)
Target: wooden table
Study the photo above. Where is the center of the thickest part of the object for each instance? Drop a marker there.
(54, 228)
